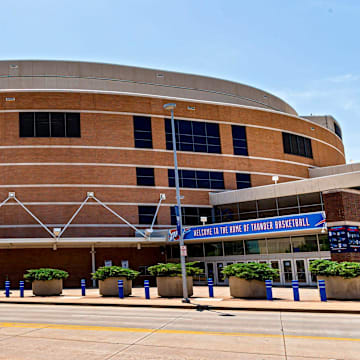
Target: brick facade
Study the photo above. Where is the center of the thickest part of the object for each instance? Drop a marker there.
(343, 206)
(52, 175)
(77, 261)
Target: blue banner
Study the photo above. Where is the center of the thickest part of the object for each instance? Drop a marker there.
(259, 226)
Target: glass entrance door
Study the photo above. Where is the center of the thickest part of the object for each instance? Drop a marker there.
(275, 264)
(214, 271)
(287, 271)
(220, 277)
(301, 271)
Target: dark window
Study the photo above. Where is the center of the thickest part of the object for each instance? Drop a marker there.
(44, 124)
(197, 179)
(145, 176)
(239, 140)
(243, 181)
(191, 215)
(27, 124)
(337, 130)
(194, 136)
(57, 124)
(142, 132)
(146, 214)
(72, 125)
(234, 248)
(297, 145)
(195, 250)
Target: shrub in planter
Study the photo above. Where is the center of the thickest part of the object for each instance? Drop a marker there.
(169, 280)
(248, 280)
(45, 281)
(342, 280)
(108, 277)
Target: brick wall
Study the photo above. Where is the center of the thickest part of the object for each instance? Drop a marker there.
(107, 139)
(342, 206)
(77, 261)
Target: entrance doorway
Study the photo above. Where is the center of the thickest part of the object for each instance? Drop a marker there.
(214, 271)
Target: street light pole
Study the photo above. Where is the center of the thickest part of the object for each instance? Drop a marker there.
(171, 107)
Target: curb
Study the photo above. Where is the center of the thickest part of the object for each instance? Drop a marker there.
(191, 306)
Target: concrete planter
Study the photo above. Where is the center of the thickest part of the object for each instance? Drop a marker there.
(47, 287)
(109, 286)
(171, 286)
(340, 288)
(242, 288)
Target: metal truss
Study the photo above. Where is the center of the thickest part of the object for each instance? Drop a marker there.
(57, 233)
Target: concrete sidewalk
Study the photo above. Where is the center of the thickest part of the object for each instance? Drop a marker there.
(283, 300)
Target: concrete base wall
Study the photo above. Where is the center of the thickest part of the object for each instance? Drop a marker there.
(247, 288)
(341, 289)
(47, 287)
(171, 286)
(109, 287)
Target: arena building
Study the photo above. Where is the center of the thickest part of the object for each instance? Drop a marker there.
(86, 153)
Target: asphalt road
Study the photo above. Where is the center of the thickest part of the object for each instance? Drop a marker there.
(75, 332)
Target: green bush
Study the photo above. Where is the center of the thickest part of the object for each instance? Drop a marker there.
(45, 274)
(172, 269)
(251, 271)
(344, 269)
(106, 272)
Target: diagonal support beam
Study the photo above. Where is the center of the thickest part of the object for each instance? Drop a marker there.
(5, 201)
(119, 217)
(33, 216)
(74, 215)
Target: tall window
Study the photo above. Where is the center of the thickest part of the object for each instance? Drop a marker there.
(194, 136)
(146, 214)
(239, 140)
(145, 176)
(337, 130)
(243, 181)
(191, 215)
(142, 132)
(198, 179)
(297, 145)
(45, 124)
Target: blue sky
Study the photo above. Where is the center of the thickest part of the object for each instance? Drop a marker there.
(305, 51)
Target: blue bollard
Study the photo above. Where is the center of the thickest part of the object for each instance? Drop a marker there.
(83, 287)
(322, 290)
(268, 284)
(7, 288)
(121, 288)
(211, 287)
(21, 288)
(147, 289)
(295, 286)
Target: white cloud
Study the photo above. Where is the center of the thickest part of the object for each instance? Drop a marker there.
(343, 78)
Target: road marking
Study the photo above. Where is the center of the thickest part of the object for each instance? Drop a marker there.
(164, 331)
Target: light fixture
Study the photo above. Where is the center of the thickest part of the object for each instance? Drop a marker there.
(11, 194)
(275, 178)
(323, 230)
(203, 219)
(170, 106)
(138, 246)
(56, 231)
(54, 247)
(148, 233)
(162, 196)
(90, 194)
